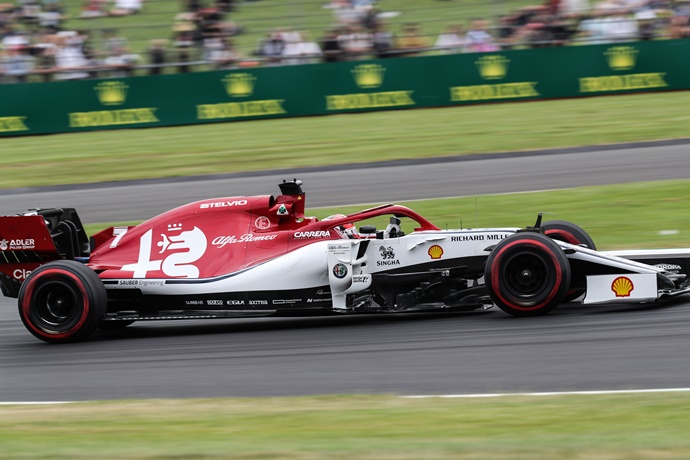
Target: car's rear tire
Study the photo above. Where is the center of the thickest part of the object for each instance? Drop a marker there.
(527, 274)
(62, 301)
(574, 234)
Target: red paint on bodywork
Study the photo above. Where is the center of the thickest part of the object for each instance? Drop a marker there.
(220, 236)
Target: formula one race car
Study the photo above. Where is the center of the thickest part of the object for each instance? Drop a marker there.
(260, 256)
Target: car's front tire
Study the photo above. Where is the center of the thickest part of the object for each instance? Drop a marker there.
(62, 301)
(527, 274)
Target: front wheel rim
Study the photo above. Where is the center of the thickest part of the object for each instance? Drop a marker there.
(526, 275)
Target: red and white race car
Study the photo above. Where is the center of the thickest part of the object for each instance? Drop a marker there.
(260, 256)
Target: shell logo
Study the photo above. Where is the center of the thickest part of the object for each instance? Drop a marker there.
(435, 252)
(622, 286)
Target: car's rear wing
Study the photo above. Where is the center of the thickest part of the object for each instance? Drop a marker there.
(35, 237)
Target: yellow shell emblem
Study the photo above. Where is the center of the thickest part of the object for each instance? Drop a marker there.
(435, 252)
(622, 286)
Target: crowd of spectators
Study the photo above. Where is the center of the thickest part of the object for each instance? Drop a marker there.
(33, 40)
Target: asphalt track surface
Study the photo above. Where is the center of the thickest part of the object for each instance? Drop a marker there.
(574, 348)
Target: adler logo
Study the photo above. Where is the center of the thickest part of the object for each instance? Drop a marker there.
(17, 244)
(319, 234)
(223, 204)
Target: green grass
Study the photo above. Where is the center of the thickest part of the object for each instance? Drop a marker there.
(347, 427)
(616, 216)
(337, 139)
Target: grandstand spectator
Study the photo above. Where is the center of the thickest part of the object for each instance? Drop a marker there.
(112, 40)
(300, 49)
(44, 52)
(225, 6)
(191, 6)
(571, 8)
(620, 26)
(12, 37)
(70, 61)
(93, 9)
(452, 40)
(156, 52)
(411, 41)
(271, 48)
(210, 21)
(17, 63)
(478, 40)
(51, 17)
(382, 40)
(680, 26)
(29, 11)
(185, 35)
(647, 23)
(6, 10)
(537, 27)
(344, 13)
(120, 63)
(220, 52)
(609, 23)
(355, 42)
(332, 52)
(126, 7)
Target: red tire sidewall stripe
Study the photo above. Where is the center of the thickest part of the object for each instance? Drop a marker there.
(564, 236)
(26, 304)
(495, 278)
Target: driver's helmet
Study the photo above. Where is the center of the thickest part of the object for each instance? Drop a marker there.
(346, 230)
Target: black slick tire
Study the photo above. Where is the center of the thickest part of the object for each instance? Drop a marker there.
(62, 301)
(527, 274)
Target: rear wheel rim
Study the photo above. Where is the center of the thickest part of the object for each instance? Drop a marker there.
(57, 304)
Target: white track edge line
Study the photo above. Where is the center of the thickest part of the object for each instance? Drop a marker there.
(35, 403)
(476, 395)
(552, 393)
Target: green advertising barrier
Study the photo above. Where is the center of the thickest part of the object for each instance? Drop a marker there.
(320, 89)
